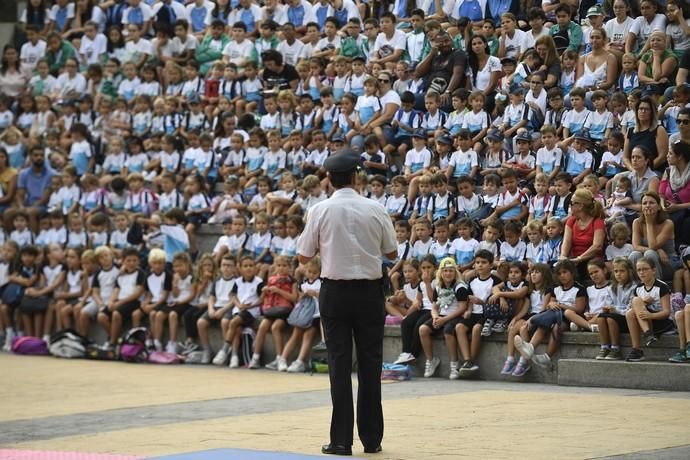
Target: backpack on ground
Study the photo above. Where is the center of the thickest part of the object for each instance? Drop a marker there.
(193, 357)
(247, 345)
(163, 357)
(132, 347)
(29, 346)
(318, 365)
(397, 372)
(68, 344)
(93, 351)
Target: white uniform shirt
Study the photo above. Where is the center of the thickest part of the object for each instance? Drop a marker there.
(351, 234)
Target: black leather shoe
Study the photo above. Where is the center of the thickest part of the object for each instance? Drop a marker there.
(372, 450)
(335, 449)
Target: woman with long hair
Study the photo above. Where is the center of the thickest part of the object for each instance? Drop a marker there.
(653, 236)
(585, 231)
(12, 80)
(486, 69)
(550, 62)
(647, 133)
(650, 20)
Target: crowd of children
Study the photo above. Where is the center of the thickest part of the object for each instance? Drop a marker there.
(169, 118)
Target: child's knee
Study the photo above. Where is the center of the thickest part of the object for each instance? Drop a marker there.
(680, 314)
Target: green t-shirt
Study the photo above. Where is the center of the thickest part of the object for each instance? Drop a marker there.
(647, 58)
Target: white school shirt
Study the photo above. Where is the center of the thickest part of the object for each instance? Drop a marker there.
(151, 88)
(396, 205)
(658, 290)
(233, 242)
(569, 296)
(475, 122)
(313, 286)
(463, 162)
(536, 300)
(441, 250)
(291, 53)
(598, 298)
(575, 121)
(612, 170)
(248, 292)
(514, 45)
(540, 205)
(493, 64)
(421, 248)
(618, 32)
(69, 196)
(427, 302)
(548, 160)
(513, 253)
(514, 114)
(597, 124)
(464, 250)
(133, 51)
(612, 251)
(643, 30)
(30, 54)
(93, 49)
(418, 160)
(23, 238)
(68, 85)
(482, 289)
(127, 88)
(537, 253)
(238, 52)
(385, 46)
(317, 158)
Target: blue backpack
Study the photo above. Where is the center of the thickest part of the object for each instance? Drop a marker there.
(396, 372)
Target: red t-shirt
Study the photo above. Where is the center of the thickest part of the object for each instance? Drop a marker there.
(583, 238)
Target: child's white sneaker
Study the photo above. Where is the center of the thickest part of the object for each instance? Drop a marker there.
(282, 364)
(454, 374)
(273, 365)
(171, 347)
(158, 345)
(430, 366)
(234, 362)
(254, 363)
(9, 337)
(574, 327)
(221, 357)
(296, 367)
(206, 356)
(526, 349)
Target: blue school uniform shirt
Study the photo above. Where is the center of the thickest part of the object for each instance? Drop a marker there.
(80, 153)
(296, 15)
(441, 250)
(411, 119)
(464, 250)
(578, 162)
(515, 253)
(441, 206)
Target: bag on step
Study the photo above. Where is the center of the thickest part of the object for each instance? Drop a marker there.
(163, 357)
(398, 372)
(193, 357)
(68, 344)
(29, 346)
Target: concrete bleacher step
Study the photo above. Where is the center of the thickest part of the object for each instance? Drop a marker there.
(644, 375)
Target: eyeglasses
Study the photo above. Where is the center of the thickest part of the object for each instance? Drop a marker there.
(384, 80)
(682, 121)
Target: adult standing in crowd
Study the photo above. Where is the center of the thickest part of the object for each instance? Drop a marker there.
(443, 69)
(675, 188)
(585, 231)
(12, 80)
(33, 189)
(351, 233)
(647, 133)
(653, 236)
(550, 63)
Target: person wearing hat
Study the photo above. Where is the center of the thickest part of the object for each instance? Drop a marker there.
(351, 233)
(579, 160)
(524, 161)
(595, 17)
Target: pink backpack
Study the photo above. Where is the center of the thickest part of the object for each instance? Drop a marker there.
(162, 357)
(29, 346)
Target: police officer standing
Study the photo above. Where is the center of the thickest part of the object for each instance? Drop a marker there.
(351, 233)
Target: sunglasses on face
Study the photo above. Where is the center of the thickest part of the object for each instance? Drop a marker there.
(683, 121)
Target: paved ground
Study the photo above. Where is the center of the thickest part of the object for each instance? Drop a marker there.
(147, 411)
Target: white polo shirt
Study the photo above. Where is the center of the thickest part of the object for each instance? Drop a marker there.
(351, 233)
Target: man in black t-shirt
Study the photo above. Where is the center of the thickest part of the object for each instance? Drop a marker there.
(276, 75)
(443, 69)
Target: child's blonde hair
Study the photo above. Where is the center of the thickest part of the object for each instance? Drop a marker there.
(542, 178)
(156, 255)
(282, 259)
(100, 251)
(534, 226)
(89, 255)
(203, 260)
(448, 262)
(629, 56)
(620, 229)
(132, 177)
(314, 263)
(286, 95)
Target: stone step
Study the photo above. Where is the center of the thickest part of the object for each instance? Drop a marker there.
(644, 375)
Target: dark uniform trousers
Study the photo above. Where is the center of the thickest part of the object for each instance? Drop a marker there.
(354, 308)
